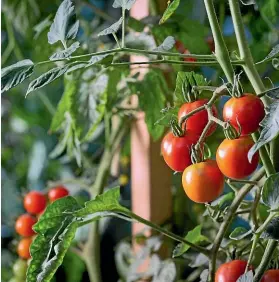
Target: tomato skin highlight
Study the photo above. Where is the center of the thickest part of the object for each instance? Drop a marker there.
(176, 151)
(23, 225)
(57, 193)
(248, 110)
(230, 271)
(271, 275)
(23, 248)
(203, 182)
(35, 202)
(197, 122)
(232, 159)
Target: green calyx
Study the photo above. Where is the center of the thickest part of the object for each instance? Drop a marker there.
(177, 131)
(230, 132)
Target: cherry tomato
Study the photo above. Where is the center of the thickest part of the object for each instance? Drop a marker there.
(57, 193)
(176, 151)
(232, 157)
(23, 248)
(189, 59)
(230, 271)
(247, 110)
(271, 275)
(20, 268)
(203, 182)
(23, 225)
(198, 121)
(35, 202)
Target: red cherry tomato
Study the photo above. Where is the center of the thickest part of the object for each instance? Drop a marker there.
(176, 151)
(23, 248)
(232, 157)
(271, 275)
(198, 121)
(57, 193)
(230, 271)
(247, 110)
(203, 182)
(189, 59)
(35, 202)
(24, 225)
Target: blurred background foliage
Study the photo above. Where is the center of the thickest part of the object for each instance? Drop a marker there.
(27, 142)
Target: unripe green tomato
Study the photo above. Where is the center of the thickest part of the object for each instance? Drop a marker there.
(20, 268)
(16, 279)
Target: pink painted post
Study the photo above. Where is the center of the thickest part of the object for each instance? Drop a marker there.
(151, 179)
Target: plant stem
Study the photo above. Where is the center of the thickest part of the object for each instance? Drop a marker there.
(270, 248)
(229, 217)
(123, 27)
(221, 51)
(169, 234)
(254, 245)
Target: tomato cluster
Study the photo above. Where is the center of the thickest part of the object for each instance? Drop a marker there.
(34, 203)
(203, 181)
(231, 271)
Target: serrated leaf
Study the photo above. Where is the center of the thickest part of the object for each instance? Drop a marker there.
(43, 266)
(246, 277)
(46, 78)
(239, 233)
(183, 77)
(194, 236)
(13, 75)
(63, 54)
(270, 193)
(125, 4)
(272, 54)
(135, 24)
(272, 230)
(166, 45)
(64, 26)
(104, 60)
(169, 11)
(111, 29)
(108, 201)
(270, 128)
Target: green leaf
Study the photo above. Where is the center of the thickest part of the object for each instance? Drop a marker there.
(194, 236)
(44, 264)
(246, 277)
(64, 26)
(181, 79)
(151, 92)
(167, 115)
(74, 267)
(273, 53)
(108, 201)
(272, 230)
(41, 26)
(166, 45)
(270, 128)
(135, 24)
(111, 29)
(13, 75)
(240, 233)
(169, 11)
(124, 4)
(270, 193)
(65, 104)
(63, 54)
(46, 78)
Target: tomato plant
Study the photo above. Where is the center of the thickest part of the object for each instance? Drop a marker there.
(93, 98)
(203, 182)
(232, 157)
(197, 122)
(57, 193)
(35, 202)
(244, 113)
(24, 225)
(176, 150)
